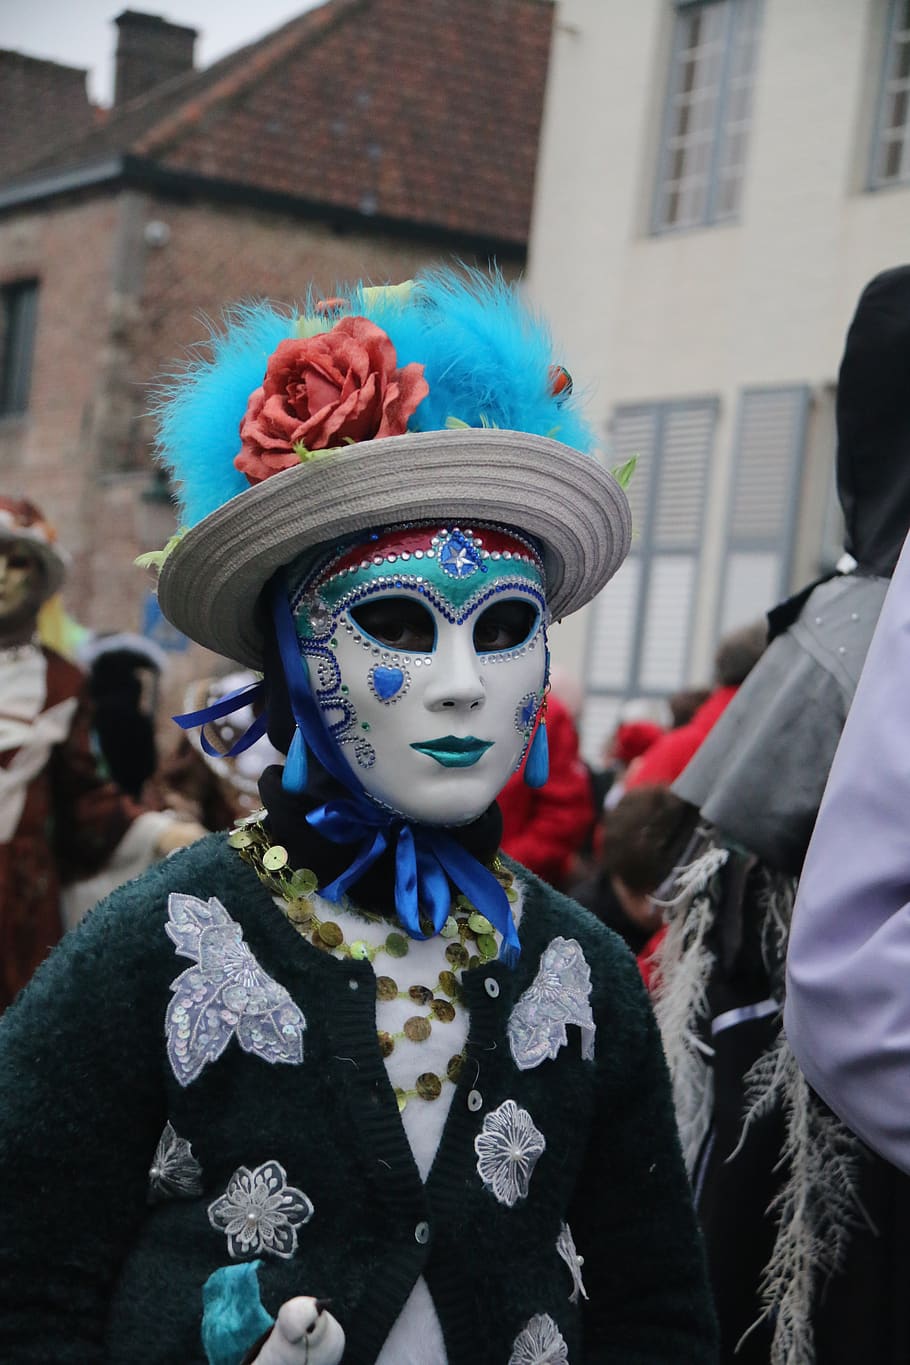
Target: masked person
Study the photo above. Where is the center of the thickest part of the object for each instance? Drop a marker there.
(347, 1052)
(60, 820)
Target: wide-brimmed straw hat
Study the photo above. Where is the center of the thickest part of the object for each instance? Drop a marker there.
(22, 521)
(438, 401)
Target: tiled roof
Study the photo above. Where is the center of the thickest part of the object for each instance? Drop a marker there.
(40, 101)
(426, 113)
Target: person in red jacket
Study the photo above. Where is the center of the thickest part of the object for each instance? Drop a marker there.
(542, 827)
(663, 762)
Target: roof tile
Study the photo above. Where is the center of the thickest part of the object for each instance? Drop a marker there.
(425, 113)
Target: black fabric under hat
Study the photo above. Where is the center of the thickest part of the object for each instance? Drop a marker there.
(287, 825)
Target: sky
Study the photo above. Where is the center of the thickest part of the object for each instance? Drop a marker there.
(82, 32)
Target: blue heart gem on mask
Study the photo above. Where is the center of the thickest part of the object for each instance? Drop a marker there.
(387, 681)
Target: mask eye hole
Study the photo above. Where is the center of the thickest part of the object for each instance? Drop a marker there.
(397, 623)
(505, 625)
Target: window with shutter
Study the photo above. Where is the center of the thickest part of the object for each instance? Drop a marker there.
(708, 113)
(891, 142)
(761, 523)
(18, 314)
(638, 642)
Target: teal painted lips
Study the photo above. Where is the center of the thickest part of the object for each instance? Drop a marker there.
(453, 752)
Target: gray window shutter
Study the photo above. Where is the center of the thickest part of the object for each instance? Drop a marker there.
(641, 623)
(671, 550)
(890, 162)
(764, 497)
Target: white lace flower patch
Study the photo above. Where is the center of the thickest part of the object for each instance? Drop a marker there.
(226, 994)
(565, 1245)
(174, 1173)
(560, 994)
(540, 1343)
(508, 1146)
(261, 1212)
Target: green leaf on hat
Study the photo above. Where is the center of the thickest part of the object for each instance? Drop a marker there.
(154, 559)
(623, 473)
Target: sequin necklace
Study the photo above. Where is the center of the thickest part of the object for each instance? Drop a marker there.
(471, 937)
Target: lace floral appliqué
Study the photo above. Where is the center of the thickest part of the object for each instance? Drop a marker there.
(261, 1212)
(540, 1343)
(565, 1245)
(226, 994)
(559, 995)
(174, 1173)
(507, 1149)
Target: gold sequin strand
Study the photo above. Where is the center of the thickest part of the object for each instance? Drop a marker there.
(296, 888)
(468, 930)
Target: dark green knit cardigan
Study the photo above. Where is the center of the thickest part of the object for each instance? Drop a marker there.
(90, 1271)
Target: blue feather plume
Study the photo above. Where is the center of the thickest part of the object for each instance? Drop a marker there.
(199, 413)
(486, 357)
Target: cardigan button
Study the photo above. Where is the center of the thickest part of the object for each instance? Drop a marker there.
(491, 986)
(475, 1101)
(422, 1233)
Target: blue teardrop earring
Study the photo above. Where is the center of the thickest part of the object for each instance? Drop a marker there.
(537, 768)
(294, 777)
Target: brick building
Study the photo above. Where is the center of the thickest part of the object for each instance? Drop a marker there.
(352, 142)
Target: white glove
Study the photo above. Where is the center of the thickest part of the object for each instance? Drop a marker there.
(304, 1334)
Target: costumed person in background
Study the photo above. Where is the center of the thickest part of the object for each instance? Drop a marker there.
(848, 1001)
(348, 1051)
(807, 1233)
(59, 818)
(684, 704)
(664, 760)
(202, 783)
(123, 673)
(847, 997)
(544, 827)
(642, 837)
(640, 725)
(630, 738)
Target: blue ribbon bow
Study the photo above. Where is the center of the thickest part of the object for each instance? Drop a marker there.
(234, 701)
(425, 859)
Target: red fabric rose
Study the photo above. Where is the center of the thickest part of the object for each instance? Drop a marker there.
(327, 390)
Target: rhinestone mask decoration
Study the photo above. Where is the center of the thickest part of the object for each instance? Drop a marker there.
(426, 653)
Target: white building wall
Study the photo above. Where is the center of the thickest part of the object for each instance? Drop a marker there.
(710, 311)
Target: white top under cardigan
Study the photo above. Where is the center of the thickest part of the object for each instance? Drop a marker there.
(416, 1336)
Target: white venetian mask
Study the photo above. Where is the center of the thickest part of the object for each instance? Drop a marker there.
(426, 652)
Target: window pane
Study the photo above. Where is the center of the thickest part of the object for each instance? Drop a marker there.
(598, 722)
(613, 629)
(668, 614)
(891, 157)
(751, 587)
(770, 441)
(708, 112)
(20, 307)
(640, 625)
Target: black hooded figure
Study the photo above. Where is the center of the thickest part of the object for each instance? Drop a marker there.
(124, 726)
(808, 1234)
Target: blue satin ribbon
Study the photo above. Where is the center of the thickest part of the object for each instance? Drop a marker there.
(425, 855)
(234, 701)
